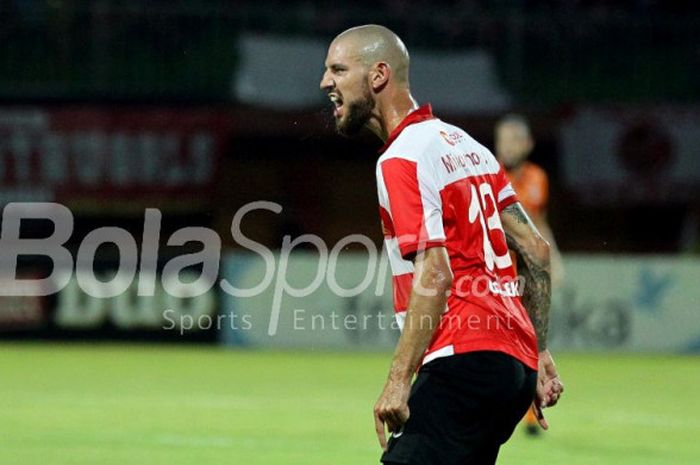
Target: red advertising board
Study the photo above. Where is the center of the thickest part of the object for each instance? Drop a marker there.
(104, 156)
(627, 155)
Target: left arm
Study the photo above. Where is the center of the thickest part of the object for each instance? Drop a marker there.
(557, 265)
(431, 282)
(533, 258)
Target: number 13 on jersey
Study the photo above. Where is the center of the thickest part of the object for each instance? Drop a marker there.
(480, 203)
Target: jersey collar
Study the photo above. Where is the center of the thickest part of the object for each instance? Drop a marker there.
(422, 113)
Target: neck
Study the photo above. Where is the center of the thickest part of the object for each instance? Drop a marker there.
(389, 113)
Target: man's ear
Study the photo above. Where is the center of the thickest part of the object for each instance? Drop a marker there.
(379, 75)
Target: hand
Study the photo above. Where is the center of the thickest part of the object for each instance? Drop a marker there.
(549, 387)
(391, 409)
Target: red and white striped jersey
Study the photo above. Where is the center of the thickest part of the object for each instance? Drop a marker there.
(437, 186)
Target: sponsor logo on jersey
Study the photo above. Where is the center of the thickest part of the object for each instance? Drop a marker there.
(452, 138)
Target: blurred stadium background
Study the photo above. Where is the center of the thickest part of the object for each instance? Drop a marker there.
(198, 108)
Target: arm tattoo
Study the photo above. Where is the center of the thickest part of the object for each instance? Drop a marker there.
(536, 281)
(517, 213)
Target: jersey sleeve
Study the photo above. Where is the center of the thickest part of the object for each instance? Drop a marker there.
(506, 194)
(412, 200)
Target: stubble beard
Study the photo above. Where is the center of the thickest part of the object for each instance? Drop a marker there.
(358, 114)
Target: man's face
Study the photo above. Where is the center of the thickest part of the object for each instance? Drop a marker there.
(513, 144)
(345, 81)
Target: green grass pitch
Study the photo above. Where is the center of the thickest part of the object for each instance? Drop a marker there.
(121, 404)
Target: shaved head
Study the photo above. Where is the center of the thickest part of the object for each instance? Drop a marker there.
(366, 74)
(372, 43)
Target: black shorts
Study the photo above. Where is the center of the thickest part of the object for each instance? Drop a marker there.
(462, 408)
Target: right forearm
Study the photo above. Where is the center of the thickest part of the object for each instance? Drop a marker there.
(432, 281)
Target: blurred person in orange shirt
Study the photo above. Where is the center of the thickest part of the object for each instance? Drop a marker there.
(514, 144)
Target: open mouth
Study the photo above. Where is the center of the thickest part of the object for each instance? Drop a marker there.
(338, 103)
